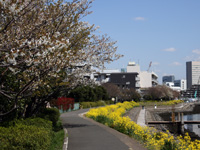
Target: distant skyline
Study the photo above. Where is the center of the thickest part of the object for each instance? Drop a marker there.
(166, 33)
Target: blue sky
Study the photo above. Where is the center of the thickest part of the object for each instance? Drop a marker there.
(166, 32)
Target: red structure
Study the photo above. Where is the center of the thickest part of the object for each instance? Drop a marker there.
(65, 103)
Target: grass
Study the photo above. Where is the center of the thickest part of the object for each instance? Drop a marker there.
(57, 140)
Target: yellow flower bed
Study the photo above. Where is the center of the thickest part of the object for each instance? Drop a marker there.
(112, 116)
(172, 102)
(159, 103)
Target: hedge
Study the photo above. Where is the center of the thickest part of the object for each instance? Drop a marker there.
(25, 137)
(51, 114)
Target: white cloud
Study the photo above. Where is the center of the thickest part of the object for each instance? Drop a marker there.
(169, 49)
(194, 57)
(155, 63)
(139, 18)
(196, 51)
(176, 63)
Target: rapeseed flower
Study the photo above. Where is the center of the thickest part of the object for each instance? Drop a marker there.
(112, 116)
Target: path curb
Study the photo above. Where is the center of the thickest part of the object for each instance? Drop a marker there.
(65, 145)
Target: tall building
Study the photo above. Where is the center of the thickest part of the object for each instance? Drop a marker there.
(168, 78)
(192, 73)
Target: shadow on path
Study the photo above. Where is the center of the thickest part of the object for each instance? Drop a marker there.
(68, 125)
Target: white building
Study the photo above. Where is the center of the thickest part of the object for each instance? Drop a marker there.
(171, 85)
(181, 83)
(147, 79)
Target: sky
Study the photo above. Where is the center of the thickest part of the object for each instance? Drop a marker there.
(164, 32)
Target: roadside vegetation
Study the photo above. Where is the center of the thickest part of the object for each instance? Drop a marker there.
(95, 104)
(41, 132)
(47, 48)
(152, 139)
(159, 103)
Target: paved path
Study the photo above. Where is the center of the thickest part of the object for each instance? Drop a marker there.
(141, 118)
(86, 134)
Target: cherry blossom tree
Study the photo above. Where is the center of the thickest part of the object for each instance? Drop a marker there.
(39, 41)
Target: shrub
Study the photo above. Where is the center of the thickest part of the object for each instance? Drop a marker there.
(58, 126)
(51, 114)
(92, 104)
(85, 105)
(100, 103)
(38, 122)
(24, 137)
(109, 102)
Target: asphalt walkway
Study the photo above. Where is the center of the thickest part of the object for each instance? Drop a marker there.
(141, 118)
(86, 134)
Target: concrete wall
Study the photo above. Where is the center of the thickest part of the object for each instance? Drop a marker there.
(145, 79)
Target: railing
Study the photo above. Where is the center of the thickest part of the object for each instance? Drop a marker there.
(179, 123)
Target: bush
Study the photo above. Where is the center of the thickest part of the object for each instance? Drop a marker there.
(38, 122)
(100, 103)
(92, 104)
(51, 114)
(109, 102)
(25, 137)
(85, 105)
(58, 126)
